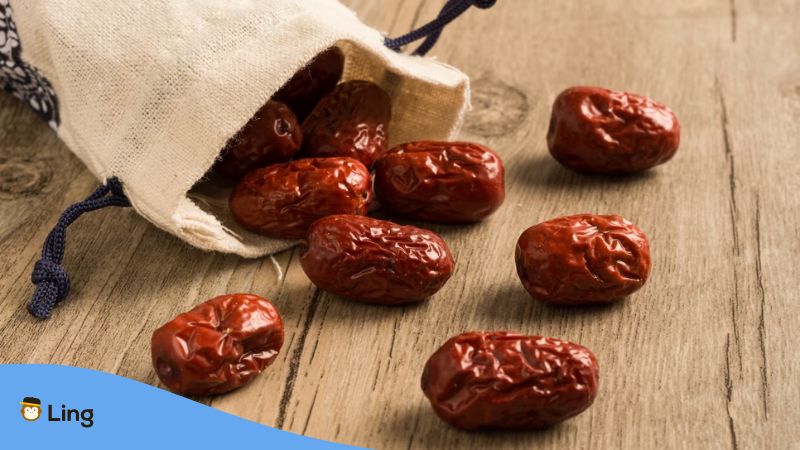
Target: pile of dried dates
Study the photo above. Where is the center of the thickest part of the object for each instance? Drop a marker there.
(314, 161)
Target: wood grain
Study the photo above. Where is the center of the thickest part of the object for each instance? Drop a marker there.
(701, 357)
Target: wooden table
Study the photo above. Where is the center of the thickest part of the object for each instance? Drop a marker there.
(701, 357)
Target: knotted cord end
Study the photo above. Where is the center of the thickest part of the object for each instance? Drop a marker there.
(52, 285)
(50, 278)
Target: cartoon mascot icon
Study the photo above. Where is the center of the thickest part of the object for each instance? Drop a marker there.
(31, 408)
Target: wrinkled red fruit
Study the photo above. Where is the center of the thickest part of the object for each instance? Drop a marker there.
(597, 130)
(272, 136)
(501, 380)
(375, 261)
(218, 346)
(302, 92)
(351, 121)
(282, 200)
(452, 182)
(583, 259)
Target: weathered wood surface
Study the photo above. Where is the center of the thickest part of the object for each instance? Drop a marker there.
(702, 357)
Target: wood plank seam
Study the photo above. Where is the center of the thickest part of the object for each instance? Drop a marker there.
(294, 362)
(761, 326)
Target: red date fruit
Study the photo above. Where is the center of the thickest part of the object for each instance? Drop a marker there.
(375, 261)
(218, 346)
(453, 182)
(501, 380)
(597, 130)
(282, 200)
(583, 259)
(351, 121)
(272, 136)
(312, 82)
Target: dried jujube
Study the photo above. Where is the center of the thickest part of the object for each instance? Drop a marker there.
(583, 259)
(352, 121)
(271, 136)
(502, 380)
(375, 261)
(282, 200)
(598, 130)
(302, 92)
(218, 346)
(453, 182)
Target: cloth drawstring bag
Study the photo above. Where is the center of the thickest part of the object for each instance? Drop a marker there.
(146, 93)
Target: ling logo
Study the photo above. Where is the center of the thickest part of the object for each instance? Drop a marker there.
(31, 408)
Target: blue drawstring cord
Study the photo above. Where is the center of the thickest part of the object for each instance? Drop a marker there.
(433, 29)
(50, 278)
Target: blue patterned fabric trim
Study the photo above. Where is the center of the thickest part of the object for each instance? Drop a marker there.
(18, 77)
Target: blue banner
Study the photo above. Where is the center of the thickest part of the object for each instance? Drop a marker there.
(69, 407)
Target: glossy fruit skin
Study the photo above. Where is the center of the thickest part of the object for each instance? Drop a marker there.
(271, 136)
(352, 121)
(596, 130)
(375, 261)
(452, 182)
(218, 346)
(283, 200)
(583, 259)
(502, 380)
(314, 81)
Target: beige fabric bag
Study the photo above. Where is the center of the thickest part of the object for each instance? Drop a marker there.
(150, 90)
